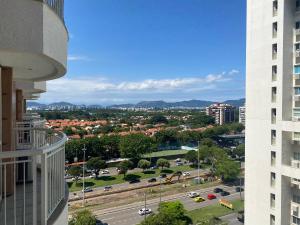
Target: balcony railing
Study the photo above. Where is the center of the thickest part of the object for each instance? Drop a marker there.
(32, 183)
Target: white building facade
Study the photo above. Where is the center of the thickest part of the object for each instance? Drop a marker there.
(33, 50)
(242, 115)
(272, 170)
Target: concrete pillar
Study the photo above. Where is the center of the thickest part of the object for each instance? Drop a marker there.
(8, 119)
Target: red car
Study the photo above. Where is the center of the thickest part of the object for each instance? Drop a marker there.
(211, 196)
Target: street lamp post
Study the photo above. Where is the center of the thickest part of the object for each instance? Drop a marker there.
(198, 163)
(83, 168)
(145, 214)
(159, 190)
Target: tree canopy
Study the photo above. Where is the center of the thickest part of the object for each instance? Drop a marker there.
(96, 163)
(84, 217)
(163, 163)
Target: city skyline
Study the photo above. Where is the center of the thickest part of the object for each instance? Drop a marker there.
(136, 53)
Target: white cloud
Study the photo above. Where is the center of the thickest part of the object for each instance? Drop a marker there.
(78, 58)
(233, 72)
(96, 89)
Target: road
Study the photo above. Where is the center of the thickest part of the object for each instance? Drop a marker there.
(125, 185)
(128, 215)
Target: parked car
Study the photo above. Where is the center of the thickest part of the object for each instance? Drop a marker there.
(153, 167)
(199, 199)
(225, 193)
(192, 194)
(185, 174)
(239, 189)
(163, 175)
(134, 181)
(151, 180)
(211, 196)
(107, 188)
(87, 189)
(92, 176)
(145, 211)
(76, 178)
(179, 164)
(178, 160)
(218, 190)
(104, 172)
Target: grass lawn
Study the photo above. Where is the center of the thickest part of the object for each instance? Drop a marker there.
(117, 179)
(166, 153)
(206, 213)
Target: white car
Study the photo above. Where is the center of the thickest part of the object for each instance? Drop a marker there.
(192, 194)
(144, 211)
(87, 189)
(178, 160)
(185, 174)
(74, 178)
(92, 176)
(104, 172)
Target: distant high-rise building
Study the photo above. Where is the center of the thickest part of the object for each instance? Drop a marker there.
(242, 114)
(223, 113)
(33, 50)
(272, 168)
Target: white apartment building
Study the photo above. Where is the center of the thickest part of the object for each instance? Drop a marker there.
(272, 175)
(33, 49)
(223, 113)
(242, 115)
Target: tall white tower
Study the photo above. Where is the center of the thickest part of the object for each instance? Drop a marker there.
(272, 175)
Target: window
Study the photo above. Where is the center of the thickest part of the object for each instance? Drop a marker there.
(296, 199)
(274, 51)
(274, 30)
(297, 156)
(297, 91)
(274, 93)
(297, 5)
(297, 69)
(273, 116)
(297, 26)
(275, 8)
(272, 200)
(296, 220)
(297, 47)
(273, 137)
(272, 220)
(274, 73)
(273, 158)
(273, 179)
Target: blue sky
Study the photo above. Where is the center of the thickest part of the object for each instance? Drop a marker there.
(125, 51)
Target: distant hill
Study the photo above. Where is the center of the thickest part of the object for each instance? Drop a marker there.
(35, 104)
(143, 104)
(61, 104)
(236, 103)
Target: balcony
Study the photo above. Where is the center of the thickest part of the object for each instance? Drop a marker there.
(295, 163)
(32, 185)
(35, 40)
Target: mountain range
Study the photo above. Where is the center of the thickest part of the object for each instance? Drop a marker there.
(143, 104)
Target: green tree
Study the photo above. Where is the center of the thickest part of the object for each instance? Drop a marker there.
(167, 138)
(133, 146)
(84, 217)
(144, 164)
(163, 163)
(169, 213)
(96, 164)
(200, 120)
(192, 156)
(228, 170)
(68, 131)
(158, 118)
(75, 171)
(239, 151)
(207, 142)
(124, 166)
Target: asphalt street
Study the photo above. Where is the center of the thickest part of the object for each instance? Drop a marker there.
(128, 214)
